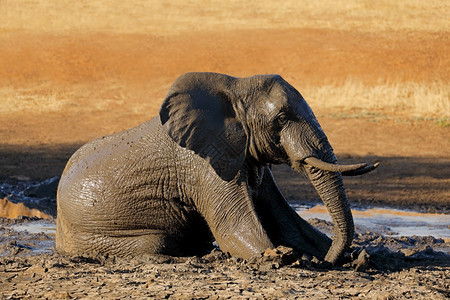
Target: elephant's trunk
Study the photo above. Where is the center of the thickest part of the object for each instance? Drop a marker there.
(331, 190)
(325, 175)
(326, 179)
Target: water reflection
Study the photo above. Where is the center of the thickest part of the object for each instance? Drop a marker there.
(386, 221)
(392, 222)
(49, 228)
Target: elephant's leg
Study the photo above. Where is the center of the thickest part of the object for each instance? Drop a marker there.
(128, 243)
(137, 242)
(231, 216)
(181, 232)
(284, 225)
(120, 243)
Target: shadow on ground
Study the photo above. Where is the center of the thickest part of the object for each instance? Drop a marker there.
(420, 183)
(34, 162)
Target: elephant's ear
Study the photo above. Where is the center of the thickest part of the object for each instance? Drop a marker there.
(201, 118)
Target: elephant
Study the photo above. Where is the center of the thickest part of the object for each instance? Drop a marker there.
(200, 171)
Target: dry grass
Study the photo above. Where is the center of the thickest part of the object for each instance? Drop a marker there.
(35, 100)
(82, 98)
(162, 17)
(404, 99)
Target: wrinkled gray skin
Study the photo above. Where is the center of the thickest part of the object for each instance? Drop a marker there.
(199, 171)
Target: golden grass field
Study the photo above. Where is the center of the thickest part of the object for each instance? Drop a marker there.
(71, 71)
(67, 24)
(174, 17)
(376, 74)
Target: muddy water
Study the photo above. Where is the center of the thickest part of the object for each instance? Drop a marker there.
(38, 195)
(393, 222)
(28, 237)
(46, 227)
(384, 221)
(388, 221)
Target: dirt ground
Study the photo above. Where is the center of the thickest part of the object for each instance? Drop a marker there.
(114, 82)
(377, 267)
(104, 82)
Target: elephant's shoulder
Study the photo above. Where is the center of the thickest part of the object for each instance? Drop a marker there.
(154, 135)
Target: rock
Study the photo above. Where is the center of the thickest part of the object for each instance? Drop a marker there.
(362, 262)
(281, 255)
(215, 255)
(270, 253)
(429, 253)
(58, 295)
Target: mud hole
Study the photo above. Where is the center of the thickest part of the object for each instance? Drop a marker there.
(376, 267)
(379, 265)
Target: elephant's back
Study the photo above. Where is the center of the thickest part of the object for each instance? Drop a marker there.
(110, 147)
(114, 176)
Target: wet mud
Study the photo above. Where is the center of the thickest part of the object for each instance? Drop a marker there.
(387, 221)
(384, 262)
(376, 267)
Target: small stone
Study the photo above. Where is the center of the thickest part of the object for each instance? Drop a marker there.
(57, 295)
(36, 269)
(362, 262)
(282, 255)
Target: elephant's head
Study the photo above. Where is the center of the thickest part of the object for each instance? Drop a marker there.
(259, 120)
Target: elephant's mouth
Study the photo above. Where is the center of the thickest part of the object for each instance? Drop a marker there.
(346, 170)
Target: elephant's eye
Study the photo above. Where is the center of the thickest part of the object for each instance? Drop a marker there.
(282, 119)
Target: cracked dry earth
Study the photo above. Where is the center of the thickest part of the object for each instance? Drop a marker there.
(377, 268)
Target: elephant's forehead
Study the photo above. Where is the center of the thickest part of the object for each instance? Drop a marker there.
(294, 105)
(269, 106)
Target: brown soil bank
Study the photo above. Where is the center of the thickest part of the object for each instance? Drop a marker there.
(307, 55)
(106, 82)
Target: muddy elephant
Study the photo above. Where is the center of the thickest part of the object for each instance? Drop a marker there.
(200, 171)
